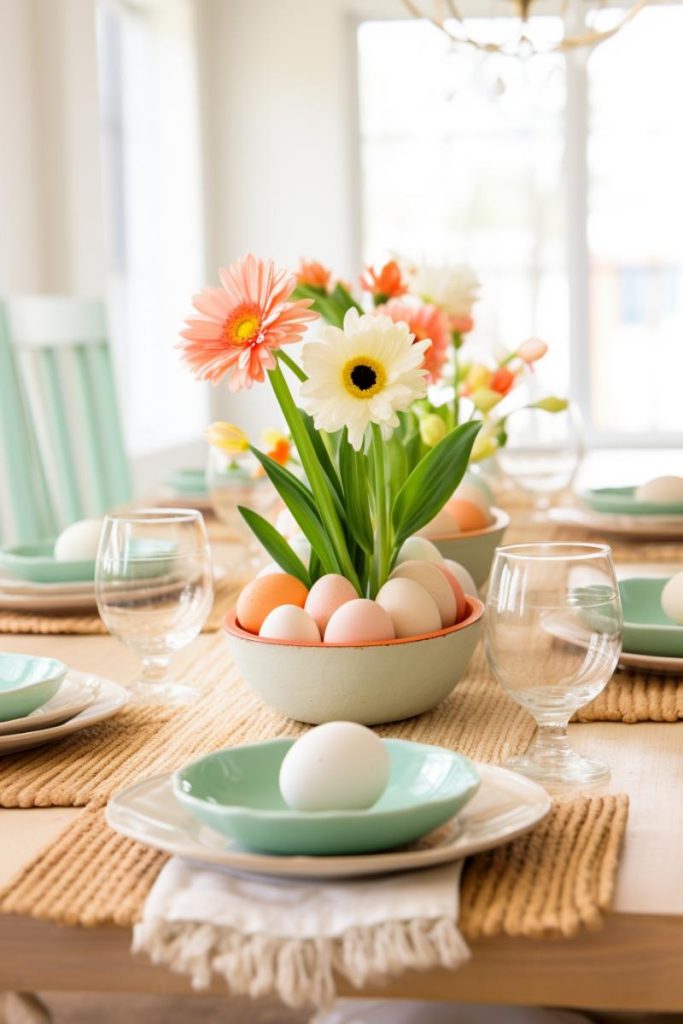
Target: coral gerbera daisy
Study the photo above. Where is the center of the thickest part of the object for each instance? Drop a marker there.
(424, 321)
(362, 374)
(241, 324)
(314, 274)
(384, 284)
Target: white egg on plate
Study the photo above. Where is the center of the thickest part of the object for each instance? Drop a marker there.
(79, 541)
(431, 577)
(463, 576)
(291, 623)
(672, 598)
(662, 488)
(338, 766)
(411, 609)
(421, 549)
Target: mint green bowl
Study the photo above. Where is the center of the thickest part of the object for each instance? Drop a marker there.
(26, 683)
(647, 628)
(189, 481)
(37, 563)
(236, 792)
(623, 500)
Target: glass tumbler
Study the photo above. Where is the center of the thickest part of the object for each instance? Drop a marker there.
(552, 631)
(154, 591)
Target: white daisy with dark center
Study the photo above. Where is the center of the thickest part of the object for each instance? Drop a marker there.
(363, 374)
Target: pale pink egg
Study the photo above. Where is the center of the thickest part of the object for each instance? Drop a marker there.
(442, 525)
(326, 595)
(413, 611)
(434, 581)
(290, 623)
(463, 576)
(458, 593)
(359, 622)
(421, 550)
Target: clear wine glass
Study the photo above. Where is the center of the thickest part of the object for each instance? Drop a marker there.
(542, 453)
(154, 590)
(552, 632)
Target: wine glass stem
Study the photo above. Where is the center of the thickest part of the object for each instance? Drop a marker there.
(551, 742)
(155, 669)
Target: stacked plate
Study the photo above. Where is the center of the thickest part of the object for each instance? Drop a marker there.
(33, 580)
(185, 488)
(226, 809)
(41, 701)
(652, 641)
(617, 511)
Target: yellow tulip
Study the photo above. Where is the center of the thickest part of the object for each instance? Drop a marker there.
(478, 377)
(432, 430)
(552, 404)
(484, 446)
(485, 399)
(228, 438)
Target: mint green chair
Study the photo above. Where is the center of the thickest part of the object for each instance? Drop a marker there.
(62, 455)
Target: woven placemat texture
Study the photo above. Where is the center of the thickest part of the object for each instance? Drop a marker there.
(225, 594)
(478, 719)
(551, 882)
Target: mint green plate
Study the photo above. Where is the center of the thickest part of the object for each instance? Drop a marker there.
(37, 563)
(236, 792)
(647, 629)
(188, 481)
(623, 499)
(26, 683)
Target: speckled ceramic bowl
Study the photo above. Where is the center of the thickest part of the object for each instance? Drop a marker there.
(372, 683)
(475, 549)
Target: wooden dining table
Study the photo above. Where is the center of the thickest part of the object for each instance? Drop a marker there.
(632, 963)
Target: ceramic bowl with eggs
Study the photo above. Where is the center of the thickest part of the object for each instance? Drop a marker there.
(327, 654)
(468, 529)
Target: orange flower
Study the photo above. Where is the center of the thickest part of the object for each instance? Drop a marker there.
(461, 324)
(387, 284)
(424, 321)
(279, 447)
(314, 274)
(241, 324)
(502, 380)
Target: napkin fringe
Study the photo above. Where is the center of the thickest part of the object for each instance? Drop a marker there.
(300, 971)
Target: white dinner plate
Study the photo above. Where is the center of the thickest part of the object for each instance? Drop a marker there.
(29, 588)
(77, 692)
(110, 699)
(505, 806)
(619, 525)
(80, 602)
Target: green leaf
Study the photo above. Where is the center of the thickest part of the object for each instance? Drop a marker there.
(433, 481)
(344, 299)
(353, 469)
(397, 463)
(301, 504)
(325, 461)
(276, 546)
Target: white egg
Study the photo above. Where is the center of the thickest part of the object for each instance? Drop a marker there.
(463, 576)
(78, 542)
(291, 623)
(468, 491)
(411, 609)
(434, 582)
(662, 488)
(338, 766)
(286, 524)
(672, 598)
(420, 549)
(301, 547)
(269, 569)
(444, 524)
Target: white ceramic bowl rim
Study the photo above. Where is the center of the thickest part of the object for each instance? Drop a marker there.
(54, 669)
(475, 610)
(501, 522)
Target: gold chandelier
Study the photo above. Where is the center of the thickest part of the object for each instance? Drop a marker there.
(576, 15)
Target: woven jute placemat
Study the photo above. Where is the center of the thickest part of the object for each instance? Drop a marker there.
(89, 623)
(551, 882)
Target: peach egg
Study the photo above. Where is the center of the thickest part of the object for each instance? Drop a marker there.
(433, 579)
(468, 515)
(420, 549)
(463, 576)
(442, 525)
(269, 569)
(290, 623)
(326, 595)
(458, 593)
(359, 622)
(413, 611)
(263, 594)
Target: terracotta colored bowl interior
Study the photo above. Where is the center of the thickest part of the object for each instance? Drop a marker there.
(500, 522)
(475, 610)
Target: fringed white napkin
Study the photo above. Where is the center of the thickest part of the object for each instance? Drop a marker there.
(288, 938)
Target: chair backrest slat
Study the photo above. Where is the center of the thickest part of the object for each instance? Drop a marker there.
(68, 375)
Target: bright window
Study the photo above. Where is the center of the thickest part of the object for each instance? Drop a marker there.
(562, 187)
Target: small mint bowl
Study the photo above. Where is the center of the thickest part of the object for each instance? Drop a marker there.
(236, 792)
(26, 683)
(647, 627)
(36, 563)
(623, 500)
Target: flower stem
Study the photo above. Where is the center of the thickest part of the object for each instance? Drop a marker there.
(315, 475)
(456, 385)
(291, 365)
(383, 542)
